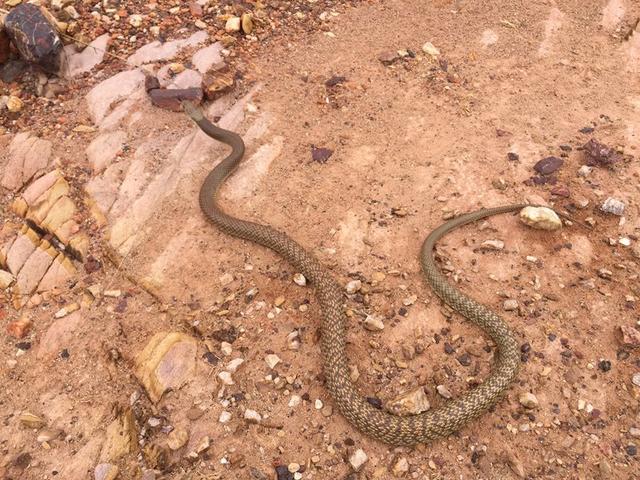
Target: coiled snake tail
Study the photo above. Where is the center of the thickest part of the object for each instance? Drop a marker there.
(376, 423)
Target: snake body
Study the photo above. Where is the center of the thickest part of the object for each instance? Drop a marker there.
(389, 428)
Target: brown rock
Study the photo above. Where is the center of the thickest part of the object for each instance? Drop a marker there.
(597, 153)
(151, 82)
(171, 99)
(121, 436)
(216, 85)
(166, 363)
(387, 58)
(19, 328)
(79, 466)
(629, 336)
(6, 280)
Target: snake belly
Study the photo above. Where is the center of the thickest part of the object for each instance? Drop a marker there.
(379, 424)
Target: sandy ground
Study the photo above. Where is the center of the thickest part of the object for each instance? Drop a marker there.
(413, 143)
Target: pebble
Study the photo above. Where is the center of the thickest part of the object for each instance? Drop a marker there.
(358, 459)
(224, 417)
(584, 171)
(112, 293)
(318, 404)
(233, 25)
(293, 340)
(510, 305)
(31, 420)
(542, 218)
(410, 300)
(64, 311)
(625, 241)
(19, 328)
(528, 400)
(272, 360)
(401, 467)
(234, 364)
(135, 20)
(548, 165)
(278, 302)
(630, 336)
(378, 276)
(353, 286)
(636, 379)
(177, 439)
(293, 467)
(226, 348)
(430, 49)
(374, 323)
(294, 401)
(225, 378)
(47, 435)
(444, 391)
(299, 279)
(246, 22)
(492, 245)
(252, 416)
(14, 104)
(411, 403)
(613, 206)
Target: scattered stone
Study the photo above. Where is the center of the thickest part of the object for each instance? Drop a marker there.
(389, 57)
(630, 336)
(166, 363)
(510, 305)
(112, 293)
(299, 279)
(234, 364)
(444, 391)
(64, 311)
(47, 436)
(19, 328)
(246, 22)
(548, 165)
(584, 171)
(293, 340)
(226, 348)
(358, 459)
(121, 436)
(408, 301)
(528, 400)
(279, 301)
(272, 360)
(233, 25)
(374, 323)
(216, 85)
(294, 401)
(411, 403)
(31, 420)
(613, 206)
(14, 104)
(177, 439)
(225, 417)
(636, 379)
(226, 378)
(353, 286)
(252, 416)
(378, 276)
(598, 153)
(171, 99)
(430, 49)
(495, 245)
(401, 467)
(320, 154)
(542, 218)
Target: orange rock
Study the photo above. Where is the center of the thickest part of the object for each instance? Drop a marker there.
(19, 328)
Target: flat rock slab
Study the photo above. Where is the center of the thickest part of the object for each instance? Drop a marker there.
(28, 156)
(106, 94)
(104, 148)
(84, 61)
(158, 51)
(59, 335)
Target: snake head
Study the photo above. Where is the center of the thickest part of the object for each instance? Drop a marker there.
(193, 111)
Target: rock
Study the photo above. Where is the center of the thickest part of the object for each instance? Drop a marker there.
(14, 104)
(31, 420)
(19, 328)
(109, 92)
(252, 416)
(358, 459)
(389, 57)
(21, 249)
(88, 58)
(515, 464)
(186, 80)
(225, 417)
(177, 439)
(167, 362)
(28, 156)
(64, 311)
(541, 218)
(320, 154)
(121, 436)
(294, 401)
(510, 305)
(613, 206)
(206, 58)
(5, 46)
(171, 99)
(598, 153)
(400, 467)
(634, 432)
(584, 171)
(246, 22)
(411, 403)
(234, 364)
(636, 379)
(6, 279)
(373, 323)
(528, 400)
(104, 148)
(34, 269)
(215, 85)
(135, 20)
(548, 165)
(226, 378)
(495, 245)
(629, 336)
(48, 435)
(162, 51)
(353, 286)
(430, 49)
(299, 279)
(34, 36)
(233, 24)
(272, 360)
(105, 471)
(58, 335)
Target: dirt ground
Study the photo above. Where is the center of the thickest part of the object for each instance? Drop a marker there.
(413, 142)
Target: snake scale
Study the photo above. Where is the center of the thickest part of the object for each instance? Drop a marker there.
(379, 424)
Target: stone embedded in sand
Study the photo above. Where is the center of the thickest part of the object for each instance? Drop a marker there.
(34, 269)
(21, 249)
(77, 467)
(358, 459)
(27, 157)
(528, 400)
(411, 403)
(542, 218)
(159, 51)
(6, 279)
(106, 94)
(19, 328)
(121, 436)
(105, 471)
(548, 165)
(89, 57)
(207, 57)
(629, 336)
(58, 335)
(166, 363)
(104, 148)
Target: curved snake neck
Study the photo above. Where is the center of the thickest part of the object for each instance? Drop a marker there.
(376, 423)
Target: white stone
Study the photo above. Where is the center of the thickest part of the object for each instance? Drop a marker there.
(411, 403)
(528, 400)
(107, 93)
(353, 286)
(299, 279)
(226, 348)
(158, 51)
(226, 378)
(232, 25)
(444, 391)
(373, 323)
(272, 360)
(252, 416)
(104, 148)
(84, 61)
(234, 364)
(207, 57)
(294, 401)
(542, 218)
(430, 49)
(225, 417)
(510, 305)
(358, 459)
(492, 245)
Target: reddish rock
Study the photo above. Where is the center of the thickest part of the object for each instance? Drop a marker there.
(151, 82)
(597, 153)
(19, 328)
(629, 336)
(561, 191)
(4, 47)
(548, 165)
(171, 99)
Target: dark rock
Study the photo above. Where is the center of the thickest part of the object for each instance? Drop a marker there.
(228, 335)
(11, 70)
(632, 450)
(566, 148)
(34, 36)
(5, 47)
(464, 360)
(335, 80)
(561, 191)
(283, 473)
(587, 130)
(151, 82)
(92, 264)
(512, 156)
(448, 349)
(211, 358)
(548, 165)
(319, 154)
(604, 365)
(599, 154)
(171, 99)
(387, 58)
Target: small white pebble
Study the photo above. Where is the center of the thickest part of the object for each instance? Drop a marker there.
(224, 417)
(299, 279)
(294, 401)
(272, 360)
(318, 404)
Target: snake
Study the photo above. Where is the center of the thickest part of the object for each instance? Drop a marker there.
(397, 430)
